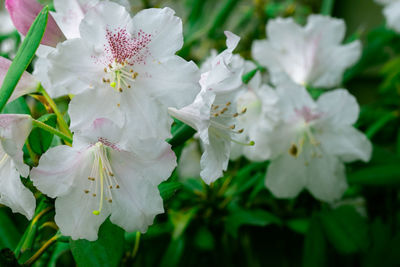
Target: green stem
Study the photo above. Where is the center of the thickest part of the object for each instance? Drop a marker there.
(60, 118)
(38, 253)
(52, 130)
(136, 247)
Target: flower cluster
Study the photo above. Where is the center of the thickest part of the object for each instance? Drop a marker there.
(126, 83)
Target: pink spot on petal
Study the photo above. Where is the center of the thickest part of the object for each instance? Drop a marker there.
(122, 47)
(307, 114)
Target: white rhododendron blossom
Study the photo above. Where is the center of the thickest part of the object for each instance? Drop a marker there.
(127, 66)
(391, 11)
(312, 142)
(189, 161)
(261, 116)
(14, 129)
(311, 55)
(213, 113)
(104, 173)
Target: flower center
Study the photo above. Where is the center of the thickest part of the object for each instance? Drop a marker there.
(119, 75)
(103, 181)
(306, 137)
(221, 118)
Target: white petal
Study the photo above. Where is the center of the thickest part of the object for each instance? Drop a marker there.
(172, 80)
(102, 17)
(347, 143)
(326, 178)
(12, 192)
(286, 176)
(292, 97)
(68, 16)
(138, 201)
(338, 106)
(84, 108)
(392, 14)
(58, 169)
(73, 68)
(14, 129)
(189, 161)
(215, 158)
(74, 213)
(165, 29)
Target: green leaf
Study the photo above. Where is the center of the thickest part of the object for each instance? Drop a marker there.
(9, 235)
(223, 14)
(314, 253)
(39, 139)
(299, 225)
(204, 239)
(383, 175)
(107, 251)
(345, 229)
(181, 134)
(168, 189)
(59, 250)
(174, 253)
(239, 217)
(327, 7)
(18, 106)
(380, 124)
(24, 56)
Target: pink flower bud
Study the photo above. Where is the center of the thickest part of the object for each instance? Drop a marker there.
(26, 85)
(24, 12)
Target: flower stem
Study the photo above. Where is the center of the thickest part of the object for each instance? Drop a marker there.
(39, 253)
(136, 247)
(52, 130)
(60, 119)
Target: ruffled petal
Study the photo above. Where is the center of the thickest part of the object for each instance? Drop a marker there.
(172, 80)
(72, 68)
(339, 107)
(347, 143)
(164, 27)
(138, 201)
(12, 192)
(58, 169)
(215, 158)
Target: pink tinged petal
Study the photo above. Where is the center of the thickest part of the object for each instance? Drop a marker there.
(215, 158)
(24, 12)
(138, 200)
(26, 85)
(339, 107)
(12, 192)
(58, 168)
(164, 27)
(14, 129)
(286, 176)
(326, 178)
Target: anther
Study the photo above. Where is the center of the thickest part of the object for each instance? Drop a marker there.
(118, 105)
(293, 150)
(228, 104)
(110, 200)
(105, 70)
(94, 195)
(86, 191)
(235, 115)
(232, 126)
(104, 80)
(244, 110)
(120, 90)
(117, 186)
(241, 131)
(215, 107)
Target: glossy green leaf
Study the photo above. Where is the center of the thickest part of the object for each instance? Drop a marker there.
(39, 139)
(239, 217)
(9, 235)
(345, 229)
(168, 189)
(383, 175)
(314, 250)
(24, 56)
(107, 251)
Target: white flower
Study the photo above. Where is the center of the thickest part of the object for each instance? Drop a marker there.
(260, 118)
(311, 55)
(213, 112)
(189, 161)
(312, 141)
(14, 129)
(125, 68)
(392, 13)
(103, 174)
